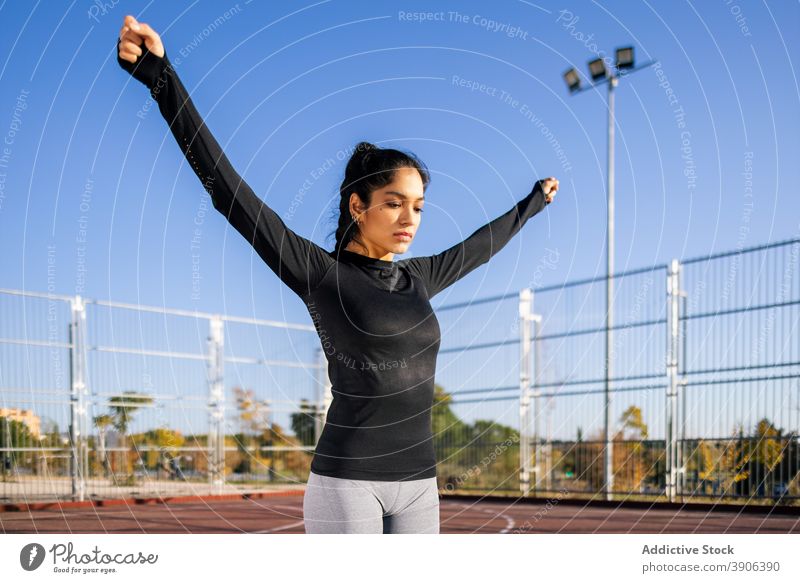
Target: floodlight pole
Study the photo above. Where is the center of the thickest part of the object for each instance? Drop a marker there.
(612, 78)
(608, 455)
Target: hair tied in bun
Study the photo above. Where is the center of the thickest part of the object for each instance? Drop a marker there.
(365, 151)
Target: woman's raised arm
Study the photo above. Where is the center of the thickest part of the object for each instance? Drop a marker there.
(299, 262)
(444, 269)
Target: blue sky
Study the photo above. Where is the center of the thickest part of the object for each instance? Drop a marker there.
(95, 189)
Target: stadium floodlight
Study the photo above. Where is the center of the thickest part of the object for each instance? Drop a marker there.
(573, 80)
(597, 69)
(625, 58)
(611, 75)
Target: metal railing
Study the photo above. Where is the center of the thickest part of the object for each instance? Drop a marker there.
(705, 396)
(103, 399)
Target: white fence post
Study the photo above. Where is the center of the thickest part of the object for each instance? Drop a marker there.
(78, 425)
(525, 463)
(216, 405)
(673, 457)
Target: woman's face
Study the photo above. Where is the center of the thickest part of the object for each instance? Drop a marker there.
(390, 223)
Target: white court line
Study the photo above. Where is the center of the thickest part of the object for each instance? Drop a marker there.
(284, 507)
(510, 522)
(279, 528)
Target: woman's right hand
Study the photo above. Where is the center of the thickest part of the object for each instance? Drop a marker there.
(131, 36)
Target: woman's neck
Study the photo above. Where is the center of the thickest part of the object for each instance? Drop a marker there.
(373, 253)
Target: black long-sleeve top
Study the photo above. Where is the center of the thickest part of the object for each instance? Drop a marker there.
(373, 317)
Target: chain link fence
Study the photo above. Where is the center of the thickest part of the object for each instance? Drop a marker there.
(691, 393)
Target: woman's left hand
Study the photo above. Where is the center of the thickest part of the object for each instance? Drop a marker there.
(549, 187)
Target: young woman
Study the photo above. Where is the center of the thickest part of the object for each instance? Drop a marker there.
(374, 468)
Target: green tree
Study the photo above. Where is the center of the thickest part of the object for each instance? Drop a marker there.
(733, 461)
(253, 418)
(303, 422)
(759, 455)
(167, 444)
(633, 425)
(51, 436)
(124, 406)
(766, 448)
(122, 409)
(13, 434)
(471, 455)
(447, 427)
(631, 464)
(290, 462)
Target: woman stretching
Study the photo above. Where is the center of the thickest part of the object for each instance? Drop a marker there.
(374, 468)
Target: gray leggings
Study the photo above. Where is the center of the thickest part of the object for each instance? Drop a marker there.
(339, 505)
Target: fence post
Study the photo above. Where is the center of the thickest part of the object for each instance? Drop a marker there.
(216, 405)
(673, 458)
(525, 465)
(543, 454)
(77, 425)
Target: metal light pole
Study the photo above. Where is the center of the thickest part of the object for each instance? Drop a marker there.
(609, 449)
(601, 74)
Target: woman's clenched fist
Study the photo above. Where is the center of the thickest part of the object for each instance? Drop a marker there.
(549, 187)
(131, 36)
(140, 52)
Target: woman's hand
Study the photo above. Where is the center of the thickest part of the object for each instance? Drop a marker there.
(131, 36)
(549, 187)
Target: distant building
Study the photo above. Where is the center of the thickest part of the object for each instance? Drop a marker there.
(25, 416)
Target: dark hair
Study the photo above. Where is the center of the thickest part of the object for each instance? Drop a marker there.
(370, 168)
